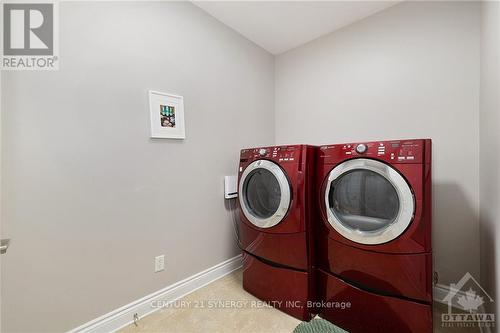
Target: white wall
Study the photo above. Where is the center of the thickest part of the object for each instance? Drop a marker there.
(88, 198)
(490, 147)
(411, 71)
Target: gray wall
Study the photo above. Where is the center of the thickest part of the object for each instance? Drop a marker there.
(408, 72)
(490, 148)
(88, 198)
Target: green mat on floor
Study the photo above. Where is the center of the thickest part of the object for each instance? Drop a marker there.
(317, 325)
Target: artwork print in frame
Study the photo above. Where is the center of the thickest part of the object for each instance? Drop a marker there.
(167, 115)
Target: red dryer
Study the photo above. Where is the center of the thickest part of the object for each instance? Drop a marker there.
(374, 237)
(276, 188)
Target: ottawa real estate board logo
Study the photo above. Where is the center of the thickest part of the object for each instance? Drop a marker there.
(30, 36)
(467, 302)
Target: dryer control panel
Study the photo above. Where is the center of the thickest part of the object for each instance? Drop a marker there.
(394, 151)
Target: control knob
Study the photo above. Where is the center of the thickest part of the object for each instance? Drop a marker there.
(262, 152)
(361, 148)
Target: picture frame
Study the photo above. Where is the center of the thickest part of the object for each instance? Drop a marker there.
(167, 115)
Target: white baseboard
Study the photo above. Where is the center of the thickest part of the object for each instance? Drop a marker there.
(440, 292)
(124, 316)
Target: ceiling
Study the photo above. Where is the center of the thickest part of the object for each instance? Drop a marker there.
(279, 26)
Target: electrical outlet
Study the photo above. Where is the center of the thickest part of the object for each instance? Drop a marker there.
(159, 263)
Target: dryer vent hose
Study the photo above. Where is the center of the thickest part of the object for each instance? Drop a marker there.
(234, 211)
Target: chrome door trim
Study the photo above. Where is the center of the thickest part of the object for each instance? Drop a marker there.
(284, 188)
(405, 195)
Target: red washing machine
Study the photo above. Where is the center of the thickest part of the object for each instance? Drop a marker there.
(276, 189)
(374, 239)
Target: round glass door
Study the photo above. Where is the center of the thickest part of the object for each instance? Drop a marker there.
(368, 202)
(264, 193)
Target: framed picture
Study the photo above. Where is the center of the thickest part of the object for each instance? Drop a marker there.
(167, 115)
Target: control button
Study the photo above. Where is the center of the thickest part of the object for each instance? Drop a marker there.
(401, 158)
(361, 148)
(262, 152)
(410, 158)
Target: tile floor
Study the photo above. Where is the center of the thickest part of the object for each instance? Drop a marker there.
(209, 309)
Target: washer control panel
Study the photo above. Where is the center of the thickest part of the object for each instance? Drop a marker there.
(277, 154)
(396, 151)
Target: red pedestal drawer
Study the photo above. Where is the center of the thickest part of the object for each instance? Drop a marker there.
(369, 312)
(283, 288)
(406, 275)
